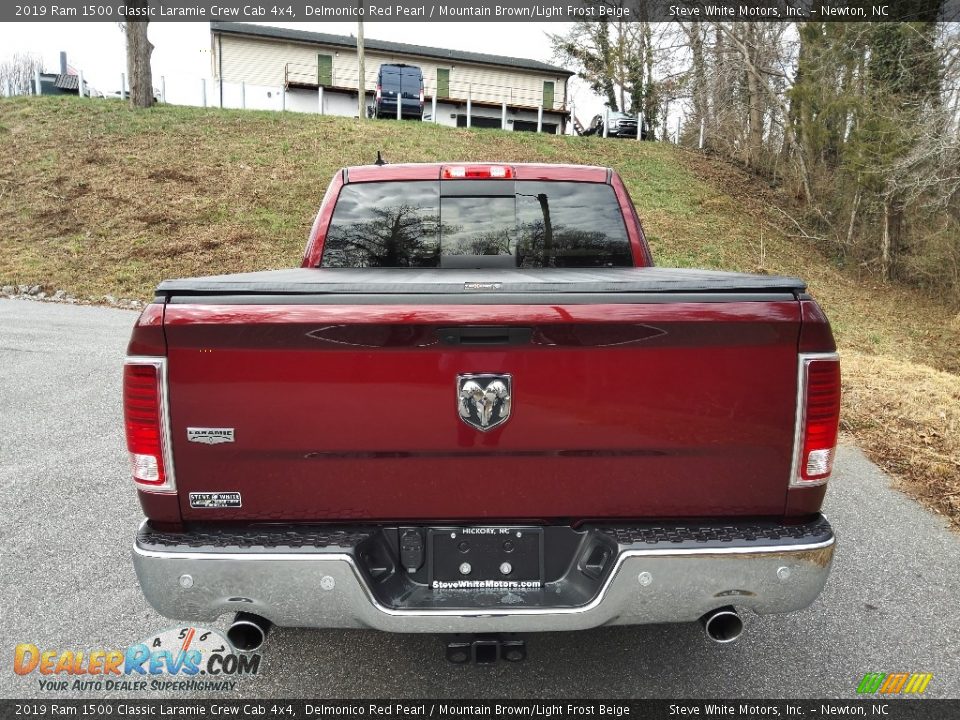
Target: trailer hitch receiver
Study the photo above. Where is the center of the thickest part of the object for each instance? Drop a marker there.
(486, 649)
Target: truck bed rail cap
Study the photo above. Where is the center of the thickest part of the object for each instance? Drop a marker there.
(451, 281)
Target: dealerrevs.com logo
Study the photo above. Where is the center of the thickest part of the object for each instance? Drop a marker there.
(187, 659)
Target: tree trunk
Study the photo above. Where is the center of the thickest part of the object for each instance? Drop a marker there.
(890, 242)
(695, 36)
(853, 215)
(362, 75)
(649, 87)
(139, 50)
(621, 65)
(665, 120)
(606, 59)
(547, 230)
(754, 144)
(885, 242)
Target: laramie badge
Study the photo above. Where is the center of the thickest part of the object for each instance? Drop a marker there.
(210, 436)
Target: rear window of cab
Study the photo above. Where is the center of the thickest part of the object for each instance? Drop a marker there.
(477, 223)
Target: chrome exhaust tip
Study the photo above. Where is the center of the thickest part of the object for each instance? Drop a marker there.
(248, 632)
(722, 625)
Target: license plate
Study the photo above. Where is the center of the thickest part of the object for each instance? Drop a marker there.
(478, 557)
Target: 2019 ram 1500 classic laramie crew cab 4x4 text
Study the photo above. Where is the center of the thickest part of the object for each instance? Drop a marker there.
(477, 407)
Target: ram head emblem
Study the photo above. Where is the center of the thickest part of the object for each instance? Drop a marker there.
(483, 401)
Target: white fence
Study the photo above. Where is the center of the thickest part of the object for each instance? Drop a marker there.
(203, 92)
(206, 92)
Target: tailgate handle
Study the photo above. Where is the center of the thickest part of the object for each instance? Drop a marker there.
(485, 336)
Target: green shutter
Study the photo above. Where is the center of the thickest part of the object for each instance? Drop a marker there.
(548, 95)
(443, 82)
(324, 70)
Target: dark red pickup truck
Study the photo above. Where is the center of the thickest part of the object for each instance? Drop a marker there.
(478, 408)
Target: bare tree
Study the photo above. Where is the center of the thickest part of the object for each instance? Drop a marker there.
(139, 49)
(760, 79)
(696, 38)
(623, 62)
(20, 71)
(614, 57)
(922, 184)
(588, 45)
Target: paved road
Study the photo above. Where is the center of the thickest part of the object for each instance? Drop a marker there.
(69, 513)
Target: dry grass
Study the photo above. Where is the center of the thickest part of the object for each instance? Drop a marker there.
(907, 417)
(96, 198)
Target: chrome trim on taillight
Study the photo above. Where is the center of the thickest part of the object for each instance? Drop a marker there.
(803, 362)
(169, 486)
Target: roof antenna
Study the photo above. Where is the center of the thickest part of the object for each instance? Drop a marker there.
(380, 160)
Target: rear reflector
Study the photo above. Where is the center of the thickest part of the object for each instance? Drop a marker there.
(818, 418)
(145, 420)
(471, 172)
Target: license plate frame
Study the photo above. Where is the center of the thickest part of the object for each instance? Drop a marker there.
(486, 552)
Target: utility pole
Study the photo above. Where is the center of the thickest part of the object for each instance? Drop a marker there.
(361, 74)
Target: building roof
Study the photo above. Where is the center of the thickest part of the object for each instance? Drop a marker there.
(67, 82)
(63, 82)
(348, 41)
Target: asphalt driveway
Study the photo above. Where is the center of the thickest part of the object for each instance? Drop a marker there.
(69, 512)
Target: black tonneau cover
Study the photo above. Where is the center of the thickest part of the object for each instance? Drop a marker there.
(493, 282)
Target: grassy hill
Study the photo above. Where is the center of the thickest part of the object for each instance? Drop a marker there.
(96, 199)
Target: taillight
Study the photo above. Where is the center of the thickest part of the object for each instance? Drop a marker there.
(379, 92)
(818, 417)
(470, 172)
(145, 419)
(421, 97)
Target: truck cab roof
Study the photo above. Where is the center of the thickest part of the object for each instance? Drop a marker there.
(433, 171)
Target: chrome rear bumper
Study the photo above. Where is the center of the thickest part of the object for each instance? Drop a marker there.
(650, 581)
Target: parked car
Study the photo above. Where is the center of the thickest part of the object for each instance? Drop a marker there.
(120, 95)
(620, 125)
(478, 408)
(399, 81)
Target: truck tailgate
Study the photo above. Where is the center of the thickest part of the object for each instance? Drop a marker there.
(638, 393)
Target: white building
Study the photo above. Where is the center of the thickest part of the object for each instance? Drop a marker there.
(313, 72)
